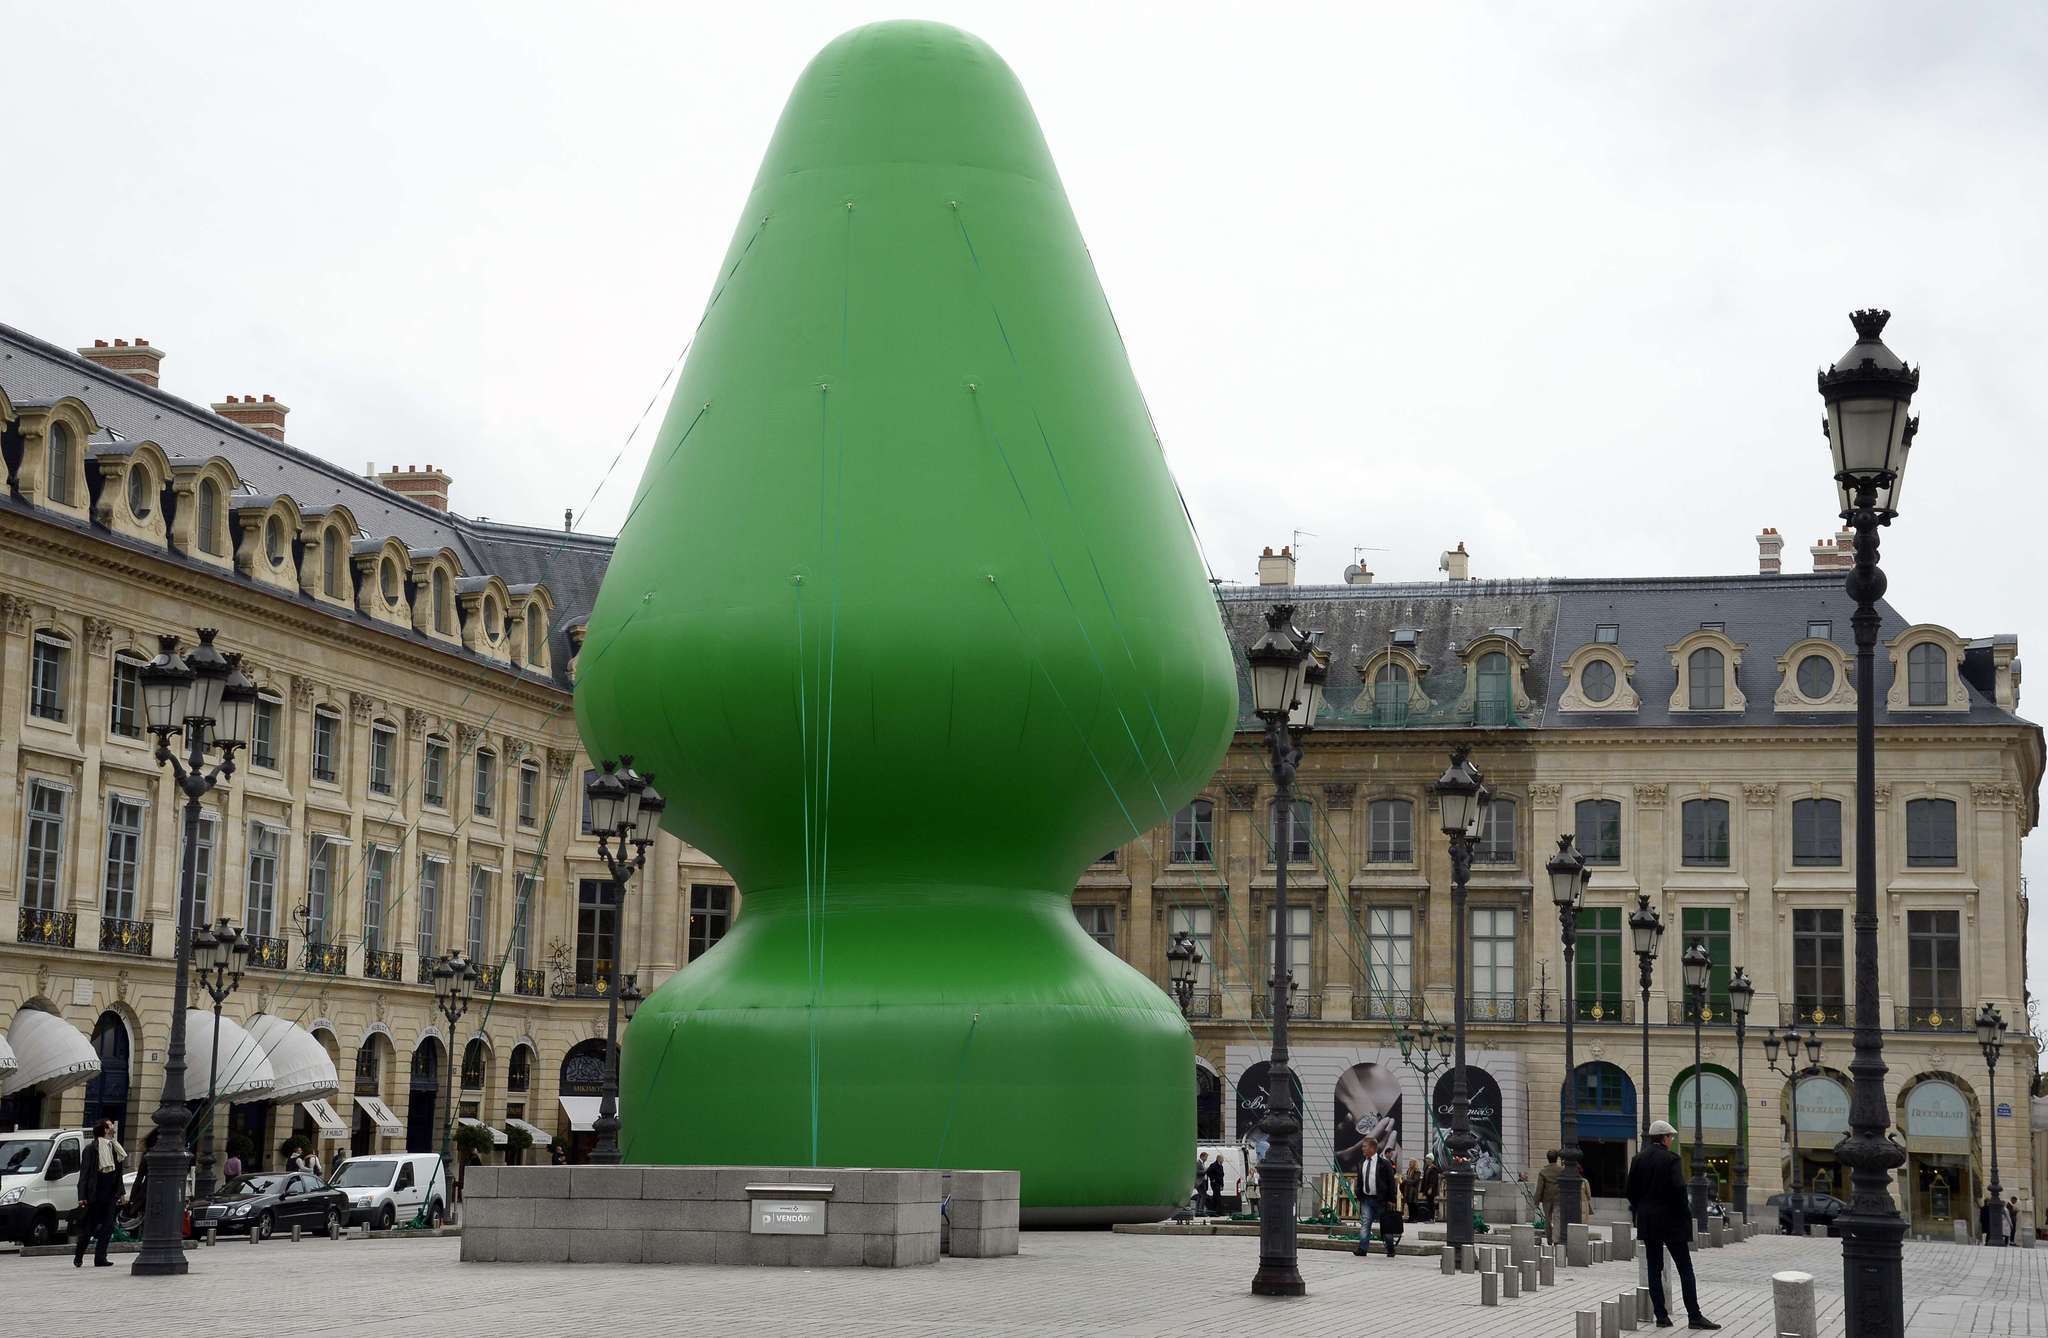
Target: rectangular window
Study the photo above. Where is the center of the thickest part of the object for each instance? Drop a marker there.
(482, 881)
(435, 782)
(322, 855)
(263, 731)
(1934, 958)
(1817, 980)
(1300, 925)
(124, 857)
(1199, 922)
(588, 776)
(326, 745)
(1301, 832)
(259, 894)
(522, 926)
(1493, 960)
(1496, 834)
(43, 869)
(1816, 833)
(710, 916)
(433, 873)
(1607, 634)
(1596, 973)
(48, 663)
(1099, 923)
(486, 784)
(376, 895)
(383, 757)
(1713, 627)
(126, 717)
(594, 935)
(1391, 824)
(202, 872)
(1389, 960)
(1705, 834)
(1709, 925)
(1930, 834)
(1598, 823)
(1824, 628)
(1194, 831)
(529, 794)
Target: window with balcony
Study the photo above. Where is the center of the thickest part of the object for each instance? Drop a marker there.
(710, 916)
(1301, 836)
(1494, 703)
(1390, 831)
(202, 871)
(482, 881)
(485, 783)
(383, 757)
(1390, 691)
(1709, 925)
(1705, 834)
(1496, 843)
(125, 718)
(589, 775)
(1816, 833)
(1934, 962)
(263, 730)
(529, 794)
(326, 744)
(1930, 833)
(434, 780)
(596, 945)
(1389, 961)
(522, 923)
(377, 872)
(427, 936)
(1194, 831)
(1098, 923)
(260, 889)
(323, 854)
(1598, 830)
(1199, 923)
(49, 672)
(42, 881)
(124, 857)
(1301, 925)
(1493, 962)
(1596, 968)
(1818, 985)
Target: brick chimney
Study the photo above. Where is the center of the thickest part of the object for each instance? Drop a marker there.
(1456, 564)
(137, 360)
(1768, 547)
(1836, 554)
(1276, 568)
(1358, 574)
(428, 485)
(265, 415)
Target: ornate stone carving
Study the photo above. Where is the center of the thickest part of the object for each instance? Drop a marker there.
(514, 747)
(1990, 794)
(43, 978)
(121, 985)
(17, 612)
(1760, 796)
(1651, 796)
(1882, 794)
(99, 636)
(1340, 794)
(2016, 796)
(377, 1007)
(303, 691)
(1240, 797)
(415, 723)
(560, 760)
(466, 738)
(361, 706)
(1545, 796)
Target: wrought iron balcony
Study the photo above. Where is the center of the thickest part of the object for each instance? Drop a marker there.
(1385, 1006)
(1303, 1006)
(1495, 1008)
(533, 984)
(1816, 1013)
(425, 974)
(1935, 1017)
(381, 965)
(327, 959)
(489, 978)
(1604, 1009)
(52, 929)
(518, 1080)
(598, 987)
(131, 937)
(1714, 1013)
(272, 954)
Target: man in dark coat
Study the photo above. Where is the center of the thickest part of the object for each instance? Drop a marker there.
(1216, 1183)
(1656, 1196)
(99, 1189)
(1376, 1187)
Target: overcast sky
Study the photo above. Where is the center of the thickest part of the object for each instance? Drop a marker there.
(1551, 280)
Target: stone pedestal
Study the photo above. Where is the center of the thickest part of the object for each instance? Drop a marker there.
(1489, 1289)
(980, 1218)
(1792, 1298)
(1522, 1241)
(1578, 1245)
(1624, 1237)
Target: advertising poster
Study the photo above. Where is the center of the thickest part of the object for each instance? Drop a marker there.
(1368, 1106)
(1482, 1093)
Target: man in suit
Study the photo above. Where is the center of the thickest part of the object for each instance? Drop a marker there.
(1656, 1195)
(1375, 1185)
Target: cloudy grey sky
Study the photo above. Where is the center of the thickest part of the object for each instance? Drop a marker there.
(1552, 280)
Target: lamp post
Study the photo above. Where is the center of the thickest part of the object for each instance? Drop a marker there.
(1461, 798)
(1867, 394)
(1184, 962)
(1285, 697)
(1698, 965)
(1568, 878)
(1991, 1037)
(1740, 994)
(1645, 928)
(205, 699)
(624, 808)
(1794, 1070)
(1434, 1045)
(219, 954)
(455, 978)
(630, 995)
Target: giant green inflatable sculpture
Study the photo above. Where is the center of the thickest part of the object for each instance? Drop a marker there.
(909, 622)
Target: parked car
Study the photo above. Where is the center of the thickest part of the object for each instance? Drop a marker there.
(272, 1201)
(39, 1183)
(1821, 1210)
(390, 1189)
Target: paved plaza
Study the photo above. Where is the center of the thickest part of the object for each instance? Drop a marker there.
(1062, 1283)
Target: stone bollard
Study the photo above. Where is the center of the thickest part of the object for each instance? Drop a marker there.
(1578, 1245)
(1546, 1270)
(1815, 1231)
(1610, 1320)
(1468, 1258)
(295, 1235)
(1489, 1289)
(1449, 1261)
(1645, 1312)
(1625, 1306)
(1792, 1298)
(1527, 1268)
(1511, 1282)
(1589, 1323)
(1717, 1235)
(1962, 1229)
(213, 1235)
(1624, 1237)
(1522, 1241)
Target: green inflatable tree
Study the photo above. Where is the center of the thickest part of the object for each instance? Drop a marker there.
(909, 622)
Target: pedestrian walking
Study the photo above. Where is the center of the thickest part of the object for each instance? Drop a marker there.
(1546, 1193)
(1656, 1195)
(99, 1189)
(1201, 1184)
(234, 1165)
(1375, 1187)
(1216, 1183)
(1411, 1189)
(1432, 1188)
(2012, 1220)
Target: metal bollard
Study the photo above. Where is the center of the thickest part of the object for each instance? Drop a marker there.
(213, 1235)
(1511, 1282)
(1546, 1270)
(1625, 1307)
(1793, 1303)
(1645, 1312)
(1527, 1268)
(1578, 1245)
(1449, 1260)
(295, 1235)
(1489, 1289)
(1610, 1320)
(1589, 1323)
(1468, 1258)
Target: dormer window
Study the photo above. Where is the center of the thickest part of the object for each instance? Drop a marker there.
(1597, 681)
(493, 623)
(141, 491)
(1596, 678)
(1706, 662)
(536, 635)
(275, 546)
(1926, 664)
(61, 445)
(1704, 671)
(1390, 695)
(209, 517)
(1492, 702)
(444, 604)
(388, 581)
(330, 562)
(1926, 675)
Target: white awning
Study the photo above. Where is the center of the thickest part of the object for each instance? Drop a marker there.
(380, 1115)
(300, 1062)
(497, 1139)
(333, 1129)
(242, 1073)
(540, 1139)
(582, 1112)
(7, 1064)
(49, 1053)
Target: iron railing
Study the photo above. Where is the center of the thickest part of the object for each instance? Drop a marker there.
(1816, 1013)
(1495, 1008)
(381, 965)
(488, 978)
(52, 929)
(131, 937)
(272, 954)
(533, 984)
(425, 974)
(1303, 1006)
(597, 988)
(1385, 1006)
(1934, 1017)
(1713, 1013)
(327, 959)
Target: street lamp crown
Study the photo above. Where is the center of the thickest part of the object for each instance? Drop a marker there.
(1461, 794)
(1698, 965)
(1740, 993)
(1867, 393)
(1277, 661)
(1567, 870)
(1646, 927)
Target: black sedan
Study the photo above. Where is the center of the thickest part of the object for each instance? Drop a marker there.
(1821, 1210)
(268, 1202)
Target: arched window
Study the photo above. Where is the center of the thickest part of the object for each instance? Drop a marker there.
(60, 446)
(1494, 700)
(1391, 831)
(330, 562)
(387, 580)
(1926, 675)
(141, 491)
(369, 1067)
(1194, 830)
(519, 1073)
(1706, 834)
(1704, 671)
(1930, 833)
(536, 634)
(474, 1061)
(274, 545)
(444, 604)
(209, 517)
(1390, 694)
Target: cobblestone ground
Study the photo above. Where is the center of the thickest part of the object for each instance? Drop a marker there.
(1062, 1283)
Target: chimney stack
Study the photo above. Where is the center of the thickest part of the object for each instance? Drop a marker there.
(1768, 547)
(1836, 554)
(137, 360)
(1358, 574)
(428, 486)
(265, 415)
(1276, 569)
(1457, 563)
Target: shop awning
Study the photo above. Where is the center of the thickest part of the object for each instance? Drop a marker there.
(243, 1072)
(333, 1129)
(49, 1053)
(380, 1115)
(497, 1139)
(300, 1062)
(582, 1112)
(7, 1064)
(540, 1139)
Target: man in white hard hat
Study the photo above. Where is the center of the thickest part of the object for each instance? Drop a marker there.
(1656, 1195)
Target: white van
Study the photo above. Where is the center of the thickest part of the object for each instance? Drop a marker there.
(387, 1190)
(39, 1183)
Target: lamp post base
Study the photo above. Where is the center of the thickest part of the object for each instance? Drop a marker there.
(1458, 1208)
(1278, 1278)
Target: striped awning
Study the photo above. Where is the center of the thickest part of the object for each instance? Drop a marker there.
(7, 1064)
(48, 1052)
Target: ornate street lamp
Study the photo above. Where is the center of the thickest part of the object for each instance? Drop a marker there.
(1645, 928)
(1184, 963)
(454, 978)
(219, 954)
(1568, 878)
(1740, 995)
(1282, 695)
(1991, 1037)
(1461, 798)
(1793, 1071)
(1868, 393)
(1425, 1051)
(1698, 965)
(205, 699)
(624, 808)
(630, 995)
